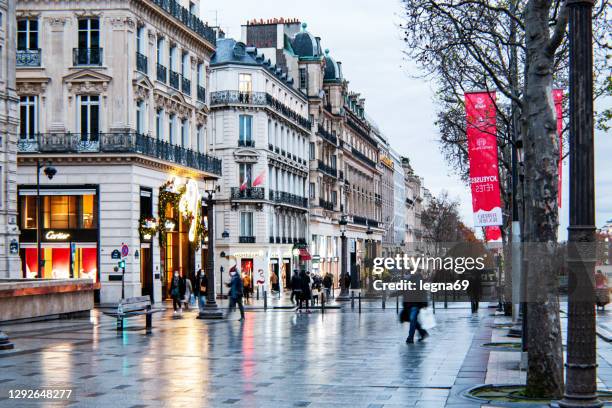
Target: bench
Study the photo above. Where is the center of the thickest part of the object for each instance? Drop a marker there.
(131, 307)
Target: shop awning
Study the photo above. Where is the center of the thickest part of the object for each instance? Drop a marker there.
(305, 255)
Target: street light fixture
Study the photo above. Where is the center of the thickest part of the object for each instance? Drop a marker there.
(50, 172)
(344, 288)
(210, 310)
(370, 254)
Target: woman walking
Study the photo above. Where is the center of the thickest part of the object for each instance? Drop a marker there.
(177, 292)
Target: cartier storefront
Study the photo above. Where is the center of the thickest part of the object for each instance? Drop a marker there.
(69, 234)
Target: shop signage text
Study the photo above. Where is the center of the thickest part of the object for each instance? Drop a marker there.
(56, 236)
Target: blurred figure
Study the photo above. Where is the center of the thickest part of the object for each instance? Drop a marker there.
(200, 288)
(413, 301)
(274, 282)
(306, 291)
(327, 284)
(296, 287)
(236, 291)
(188, 292)
(246, 283)
(177, 292)
(602, 291)
(475, 289)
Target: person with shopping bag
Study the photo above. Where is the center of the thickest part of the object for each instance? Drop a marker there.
(413, 301)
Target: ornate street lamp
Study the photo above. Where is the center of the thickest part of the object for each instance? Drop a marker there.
(50, 172)
(211, 310)
(370, 253)
(344, 288)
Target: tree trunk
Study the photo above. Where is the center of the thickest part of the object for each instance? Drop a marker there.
(545, 350)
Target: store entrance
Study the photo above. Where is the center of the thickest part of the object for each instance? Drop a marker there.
(179, 256)
(146, 271)
(285, 277)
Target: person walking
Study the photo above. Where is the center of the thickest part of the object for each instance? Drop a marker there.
(236, 292)
(274, 282)
(327, 284)
(347, 281)
(602, 291)
(177, 292)
(413, 301)
(200, 288)
(188, 291)
(306, 291)
(296, 287)
(475, 289)
(246, 282)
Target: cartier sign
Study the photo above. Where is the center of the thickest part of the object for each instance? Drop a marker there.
(56, 236)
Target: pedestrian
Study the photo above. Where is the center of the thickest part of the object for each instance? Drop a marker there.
(236, 291)
(602, 292)
(246, 282)
(177, 292)
(474, 289)
(306, 291)
(327, 284)
(188, 292)
(274, 281)
(347, 281)
(200, 288)
(296, 287)
(413, 301)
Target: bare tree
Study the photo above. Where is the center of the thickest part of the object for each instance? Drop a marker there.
(519, 49)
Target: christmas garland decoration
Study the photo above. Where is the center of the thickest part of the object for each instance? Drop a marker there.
(168, 195)
(147, 226)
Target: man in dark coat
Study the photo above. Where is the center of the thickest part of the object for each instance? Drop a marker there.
(414, 301)
(236, 291)
(475, 289)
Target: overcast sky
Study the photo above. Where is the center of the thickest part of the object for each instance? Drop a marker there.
(364, 35)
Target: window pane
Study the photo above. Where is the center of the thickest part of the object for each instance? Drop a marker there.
(94, 126)
(33, 40)
(95, 24)
(31, 121)
(22, 25)
(59, 211)
(22, 40)
(88, 209)
(84, 121)
(23, 121)
(82, 39)
(28, 212)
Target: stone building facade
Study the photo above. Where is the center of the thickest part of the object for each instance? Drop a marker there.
(114, 95)
(10, 264)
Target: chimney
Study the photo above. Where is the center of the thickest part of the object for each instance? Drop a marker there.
(339, 68)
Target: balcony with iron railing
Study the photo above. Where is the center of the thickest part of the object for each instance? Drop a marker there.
(327, 205)
(87, 56)
(246, 239)
(360, 220)
(258, 98)
(329, 170)
(161, 73)
(363, 157)
(142, 63)
(330, 137)
(282, 197)
(118, 143)
(189, 19)
(185, 85)
(175, 79)
(246, 143)
(248, 193)
(28, 58)
(201, 94)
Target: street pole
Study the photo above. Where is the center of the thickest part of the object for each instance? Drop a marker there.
(39, 255)
(581, 372)
(344, 289)
(211, 310)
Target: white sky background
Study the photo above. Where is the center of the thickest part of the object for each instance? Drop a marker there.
(364, 35)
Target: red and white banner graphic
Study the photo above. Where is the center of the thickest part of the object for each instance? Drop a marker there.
(482, 153)
(493, 234)
(558, 99)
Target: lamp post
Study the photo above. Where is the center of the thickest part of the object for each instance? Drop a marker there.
(581, 372)
(344, 288)
(370, 252)
(49, 172)
(211, 310)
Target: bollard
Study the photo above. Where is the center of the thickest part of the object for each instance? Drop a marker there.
(396, 303)
(359, 300)
(265, 296)
(383, 301)
(352, 299)
(258, 292)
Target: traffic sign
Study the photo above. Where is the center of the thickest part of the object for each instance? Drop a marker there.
(124, 250)
(116, 254)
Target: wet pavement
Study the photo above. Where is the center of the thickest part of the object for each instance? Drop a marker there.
(275, 358)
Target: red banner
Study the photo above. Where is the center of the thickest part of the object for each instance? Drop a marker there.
(492, 234)
(482, 153)
(558, 99)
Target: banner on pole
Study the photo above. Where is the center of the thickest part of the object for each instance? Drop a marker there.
(558, 99)
(482, 153)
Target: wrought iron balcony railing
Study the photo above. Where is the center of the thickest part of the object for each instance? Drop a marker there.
(327, 136)
(28, 58)
(327, 205)
(182, 14)
(246, 240)
(288, 198)
(363, 157)
(201, 94)
(329, 170)
(174, 80)
(246, 143)
(161, 73)
(373, 223)
(87, 56)
(249, 193)
(142, 63)
(258, 98)
(185, 85)
(360, 220)
(119, 143)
